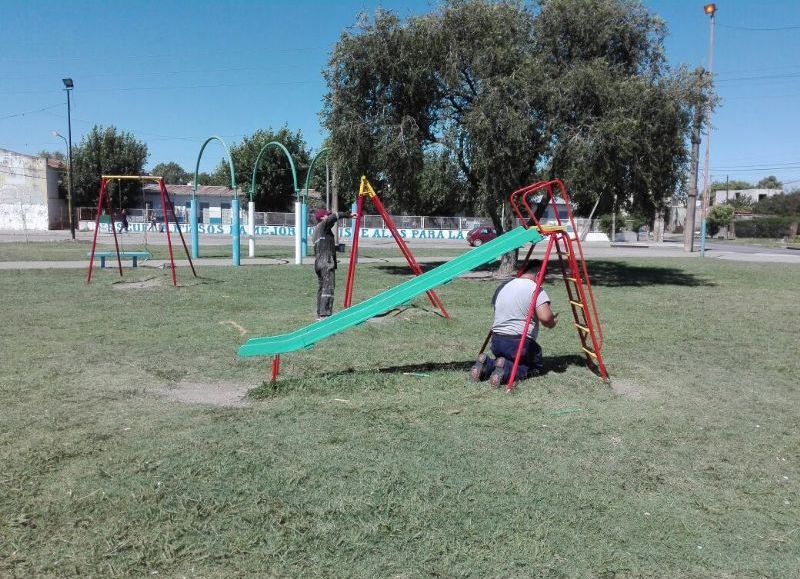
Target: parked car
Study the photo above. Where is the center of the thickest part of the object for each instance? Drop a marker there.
(480, 235)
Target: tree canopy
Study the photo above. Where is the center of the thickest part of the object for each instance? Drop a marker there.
(784, 204)
(770, 182)
(571, 89)
(107, 151)
(173, 173)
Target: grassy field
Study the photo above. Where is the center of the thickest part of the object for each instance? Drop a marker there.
(78, 250)
(373, 455)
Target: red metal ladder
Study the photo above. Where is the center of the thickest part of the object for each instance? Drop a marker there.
(573, 268)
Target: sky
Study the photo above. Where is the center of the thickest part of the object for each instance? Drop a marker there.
(173, 73)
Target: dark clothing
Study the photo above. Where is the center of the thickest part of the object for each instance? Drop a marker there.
(530, 362)
(324, 242)
(325, 262)
(327, 283)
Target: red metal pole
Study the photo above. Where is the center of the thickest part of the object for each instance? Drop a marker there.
(110, 205)
(531, 312)
(276, 365)
(351, 268)
(175, 218)
(432, 296)
(96, 226)
(166, 225)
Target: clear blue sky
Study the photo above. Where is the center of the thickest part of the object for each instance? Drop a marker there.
(173, 73)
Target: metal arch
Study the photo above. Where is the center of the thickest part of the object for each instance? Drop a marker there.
(234, 203)
(311, 166)
(230, 164)
(258, 161)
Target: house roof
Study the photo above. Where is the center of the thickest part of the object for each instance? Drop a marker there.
(186, 190)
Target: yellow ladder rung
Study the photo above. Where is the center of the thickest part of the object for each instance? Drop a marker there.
(573, 280)
(582, 328)
(577, 304)
(589, 352)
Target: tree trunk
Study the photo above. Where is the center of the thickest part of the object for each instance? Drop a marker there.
(335, 199)
(508, 261)
(658, 227)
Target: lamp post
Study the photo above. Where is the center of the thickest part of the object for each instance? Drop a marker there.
(709, 9)
(69, 183)
(68, 86)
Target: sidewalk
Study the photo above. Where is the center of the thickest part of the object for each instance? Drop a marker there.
(591, 251)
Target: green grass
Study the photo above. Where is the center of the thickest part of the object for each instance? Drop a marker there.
(78, 250)
(348, 466)
(754, 241)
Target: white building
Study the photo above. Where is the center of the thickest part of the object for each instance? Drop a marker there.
(754, 195)
(213, 201)
(29, 197)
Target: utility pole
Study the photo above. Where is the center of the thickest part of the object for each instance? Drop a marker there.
(691, 201)
(709, 9)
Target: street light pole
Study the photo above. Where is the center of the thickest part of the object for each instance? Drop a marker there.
(69, 184)
(709, 9)
(68, 85)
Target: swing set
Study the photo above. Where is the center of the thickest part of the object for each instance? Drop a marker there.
(166, 204)
(365, 190)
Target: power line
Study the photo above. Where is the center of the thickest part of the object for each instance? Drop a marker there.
(764, 165)
(756, 29)
(178, 87)
(31, 112)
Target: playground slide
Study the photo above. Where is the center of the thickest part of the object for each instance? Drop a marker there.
(391, 298)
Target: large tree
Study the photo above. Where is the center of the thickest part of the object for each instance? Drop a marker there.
(274, 184)
(574, 89)
(107, 151)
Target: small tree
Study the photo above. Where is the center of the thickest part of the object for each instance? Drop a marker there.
(719, 216)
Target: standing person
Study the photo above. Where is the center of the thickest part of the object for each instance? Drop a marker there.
(123, 225)
(152, 226)
(511, 302)
(325, 261)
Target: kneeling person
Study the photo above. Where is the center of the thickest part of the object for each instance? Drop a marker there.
(511, 302)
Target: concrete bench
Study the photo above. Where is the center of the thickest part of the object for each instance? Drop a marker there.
(134, 256)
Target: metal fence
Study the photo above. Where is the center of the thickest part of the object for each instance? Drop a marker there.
(281, 219)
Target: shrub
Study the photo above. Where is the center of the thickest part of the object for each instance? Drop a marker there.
(771, 227)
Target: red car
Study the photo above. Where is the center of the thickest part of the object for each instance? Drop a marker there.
(481, 234)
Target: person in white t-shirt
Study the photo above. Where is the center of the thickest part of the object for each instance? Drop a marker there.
(511, 303)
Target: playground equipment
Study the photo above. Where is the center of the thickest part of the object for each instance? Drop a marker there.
(366, 190)
(573, 271)
(531, 232)
(235, 243)
(166, 204)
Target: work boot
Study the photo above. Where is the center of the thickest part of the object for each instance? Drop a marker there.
(498, 374)
(478, 370)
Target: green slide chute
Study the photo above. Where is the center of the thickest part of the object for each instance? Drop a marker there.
(391, 298)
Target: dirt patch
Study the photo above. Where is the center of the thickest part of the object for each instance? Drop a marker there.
(222, 394)
(133, 285)
(626, 389)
